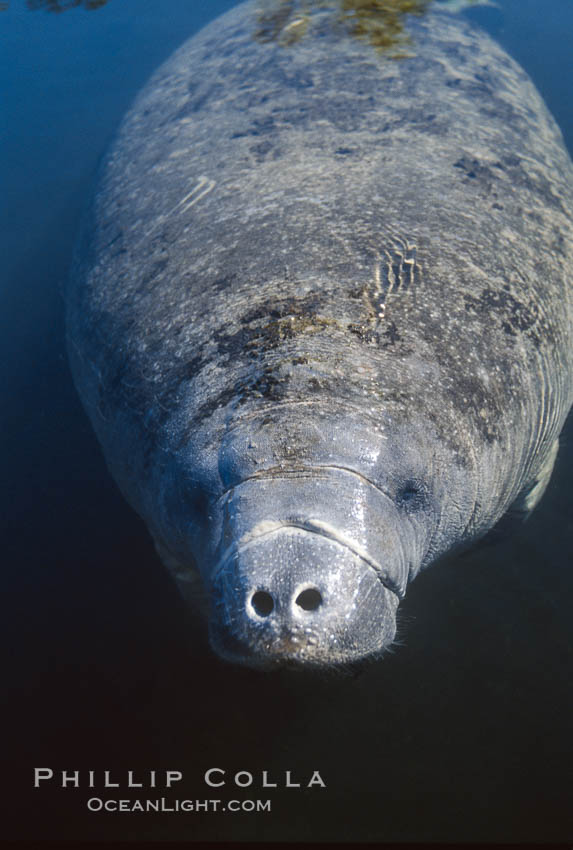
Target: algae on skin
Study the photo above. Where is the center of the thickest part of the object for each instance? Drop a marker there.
(64, 5)
(380, 22)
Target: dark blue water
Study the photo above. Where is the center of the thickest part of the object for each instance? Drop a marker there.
(464, 734)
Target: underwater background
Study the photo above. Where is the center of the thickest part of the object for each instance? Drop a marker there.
(463, 733)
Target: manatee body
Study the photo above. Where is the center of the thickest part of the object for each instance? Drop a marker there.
(320, 318)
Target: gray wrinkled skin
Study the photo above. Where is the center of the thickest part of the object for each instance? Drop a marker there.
(320, 318)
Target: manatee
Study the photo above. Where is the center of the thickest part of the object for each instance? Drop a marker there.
(320, 317)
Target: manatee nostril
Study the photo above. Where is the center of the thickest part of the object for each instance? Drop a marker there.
(262, 602)
(309, 600)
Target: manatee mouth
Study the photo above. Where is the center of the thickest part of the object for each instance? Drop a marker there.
(235, 651)
(295, 594)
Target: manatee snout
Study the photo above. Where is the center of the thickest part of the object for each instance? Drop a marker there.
(307, 566)
(293, 596)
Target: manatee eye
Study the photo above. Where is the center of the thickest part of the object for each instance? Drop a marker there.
(197, 503)
(411, 496)
(408, 494)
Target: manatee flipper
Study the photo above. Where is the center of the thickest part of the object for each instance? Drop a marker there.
(522, 507)
(524, 504)
(181, 572)
(531, 495)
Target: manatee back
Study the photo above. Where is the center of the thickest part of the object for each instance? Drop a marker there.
(318, 222)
